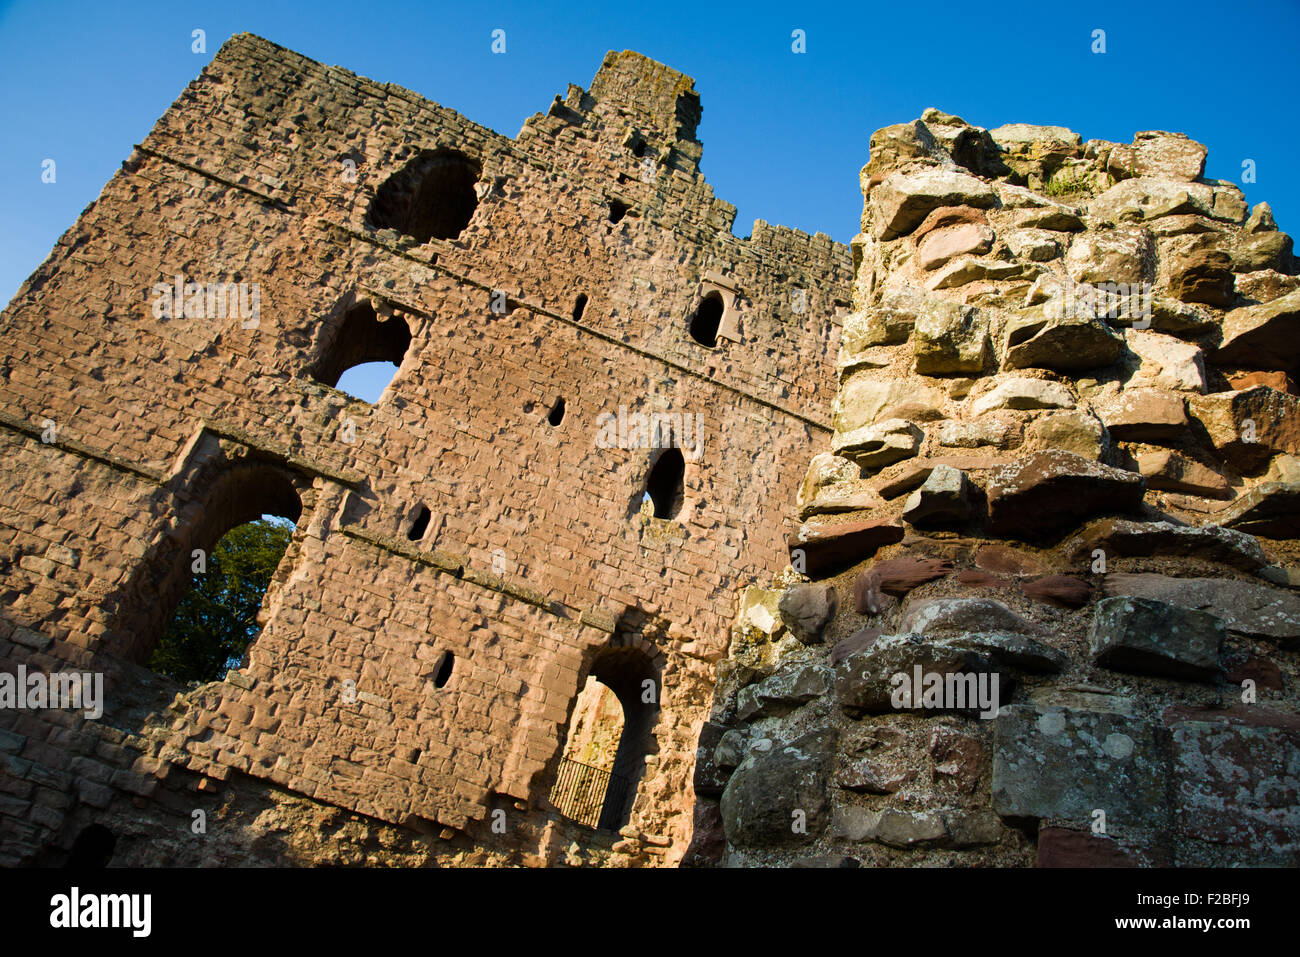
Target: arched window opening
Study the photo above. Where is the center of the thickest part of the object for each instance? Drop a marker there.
(227, 488)
(579, 305)
(431, 197)
(617, 210)
(556, 415)
(216, 620)
(442, 673)
(93, 848)
(703, 324)
(364, 352)
(607, 740)
(419, 524)
(205, 595)
(665, 485)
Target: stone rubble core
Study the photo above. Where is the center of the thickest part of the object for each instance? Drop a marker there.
(1066, 457)
(468, 549)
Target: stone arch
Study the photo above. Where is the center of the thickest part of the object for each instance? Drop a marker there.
(230, 491)
(706, 318)
(666, 483)
(631, 666)
(432, 197)
(360, 333)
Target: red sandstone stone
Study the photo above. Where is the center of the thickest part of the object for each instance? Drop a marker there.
(896, 576)
(1060, 847)
(1065, 590)
(822, 548)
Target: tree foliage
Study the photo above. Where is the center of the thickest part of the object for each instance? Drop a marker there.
(217, 618)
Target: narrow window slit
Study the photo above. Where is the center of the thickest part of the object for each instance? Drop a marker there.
(665, 484)
(442, 674)
(556, 415)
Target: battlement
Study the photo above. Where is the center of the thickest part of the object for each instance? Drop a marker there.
(654, 95)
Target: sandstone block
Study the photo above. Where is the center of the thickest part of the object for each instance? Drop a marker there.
(875, 446)
(865, 683)
(949, 338)
(1146, 636)
(865, 400)
(806, 609)
(1256, 611)
(1072, 431)
(1169, 471)
(1168, 155)
(1048, 491)
(1202, 273)
(940, 616)
(821, 548)
(965, 270)
(1250, 426)
(1063, 763)
(1164, 362)
(1120, 255)
(1035, 245)
(1144, 415)
(825, 469)
(1008, 648)
(1266, 336)
(1067, 343)
(782, 692)
(895, 827)
(942, 245)
(971, 435)
(1126, 538)
(1022, 393)
(899, 203)
(943, 499)
(1269, 510)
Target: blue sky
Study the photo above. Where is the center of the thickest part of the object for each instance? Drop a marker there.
(784, 134)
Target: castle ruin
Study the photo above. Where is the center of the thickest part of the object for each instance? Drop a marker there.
(1047, 398)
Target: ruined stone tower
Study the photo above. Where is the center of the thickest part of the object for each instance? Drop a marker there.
(1047, 397)
(469, 548)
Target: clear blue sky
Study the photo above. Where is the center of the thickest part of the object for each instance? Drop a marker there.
(784, 134)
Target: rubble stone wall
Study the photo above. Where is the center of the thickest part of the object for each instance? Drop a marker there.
(1064, 470)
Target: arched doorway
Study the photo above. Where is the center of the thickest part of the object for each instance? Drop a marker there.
(608, 738)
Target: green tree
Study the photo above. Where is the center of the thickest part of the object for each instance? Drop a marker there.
(217, 618)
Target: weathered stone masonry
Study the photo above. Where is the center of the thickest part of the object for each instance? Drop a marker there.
(1092, 500)
(131, 440)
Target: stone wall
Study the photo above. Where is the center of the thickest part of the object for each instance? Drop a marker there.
(132, 438)
(1063, 469)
